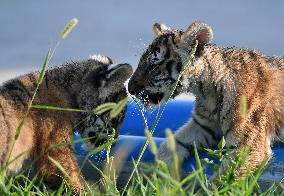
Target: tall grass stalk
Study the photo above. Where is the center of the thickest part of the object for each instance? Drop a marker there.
(172, 146)
(186, 65)
(47, 59)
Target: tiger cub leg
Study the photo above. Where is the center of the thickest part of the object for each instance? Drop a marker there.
(191, 133)
(259, 150)
(62, 154)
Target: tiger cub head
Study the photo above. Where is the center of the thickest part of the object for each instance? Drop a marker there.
(160, 65)
(104, 83)
(99, 129)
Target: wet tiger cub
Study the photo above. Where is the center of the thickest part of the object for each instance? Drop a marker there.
(83, 85)
(219, 78)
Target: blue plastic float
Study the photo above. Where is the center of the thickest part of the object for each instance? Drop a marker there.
(176, 113)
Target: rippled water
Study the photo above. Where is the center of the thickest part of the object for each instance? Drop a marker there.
(121, 29)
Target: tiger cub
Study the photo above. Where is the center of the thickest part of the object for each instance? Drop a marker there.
(83, 85)
(220, 78)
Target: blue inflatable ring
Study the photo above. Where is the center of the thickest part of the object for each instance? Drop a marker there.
(177, 112)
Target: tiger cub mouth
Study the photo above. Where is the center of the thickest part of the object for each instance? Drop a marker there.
(155, 98)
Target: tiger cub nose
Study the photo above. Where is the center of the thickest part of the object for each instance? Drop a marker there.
(134, 87)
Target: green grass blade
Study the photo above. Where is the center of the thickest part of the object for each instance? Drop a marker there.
(104, 108)
(172, 147)
(41, 76)
(20, 126)
(190, 177)
(46, 107)
(153, 146)
(96, 150)
(222, 143)
(59, 166)
(60, 190)
(197, 158)
(69, 27)
(149, 181)
(118, 108)
(255, 178)
(70, 142)
(44, 67)
(30, 186)
(162, 174)
(243, 106)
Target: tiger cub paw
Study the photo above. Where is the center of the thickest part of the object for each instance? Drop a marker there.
(165, 154)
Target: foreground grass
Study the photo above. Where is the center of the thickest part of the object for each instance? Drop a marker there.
(157, 179)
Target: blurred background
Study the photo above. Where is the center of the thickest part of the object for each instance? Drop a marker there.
(122, 29)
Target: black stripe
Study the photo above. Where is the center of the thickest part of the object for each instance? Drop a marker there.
(164, 79)
(220, 100)
(165, 40)
(153, 83)
(17, 85)
(46, 80)
(169, 65)
(215, 110)
(19, 98)
(226, 133)
(157, 73)
(207, 129)
(179, 67)
(207, 141)
(173, 38)
(156, 49)
(208, 63)
(218, 103)
(199, 50)
(160, 63)
(33, 80)
(167, 55)
(188, 147)
(200, 86)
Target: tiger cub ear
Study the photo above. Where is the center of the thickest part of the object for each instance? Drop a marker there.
(160, 29)
(199, 31)
(101, 59)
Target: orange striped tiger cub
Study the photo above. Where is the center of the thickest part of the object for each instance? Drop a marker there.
(83, 85)
(219, 78)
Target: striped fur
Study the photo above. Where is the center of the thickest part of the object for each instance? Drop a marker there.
(83, 85)
(218, 77)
